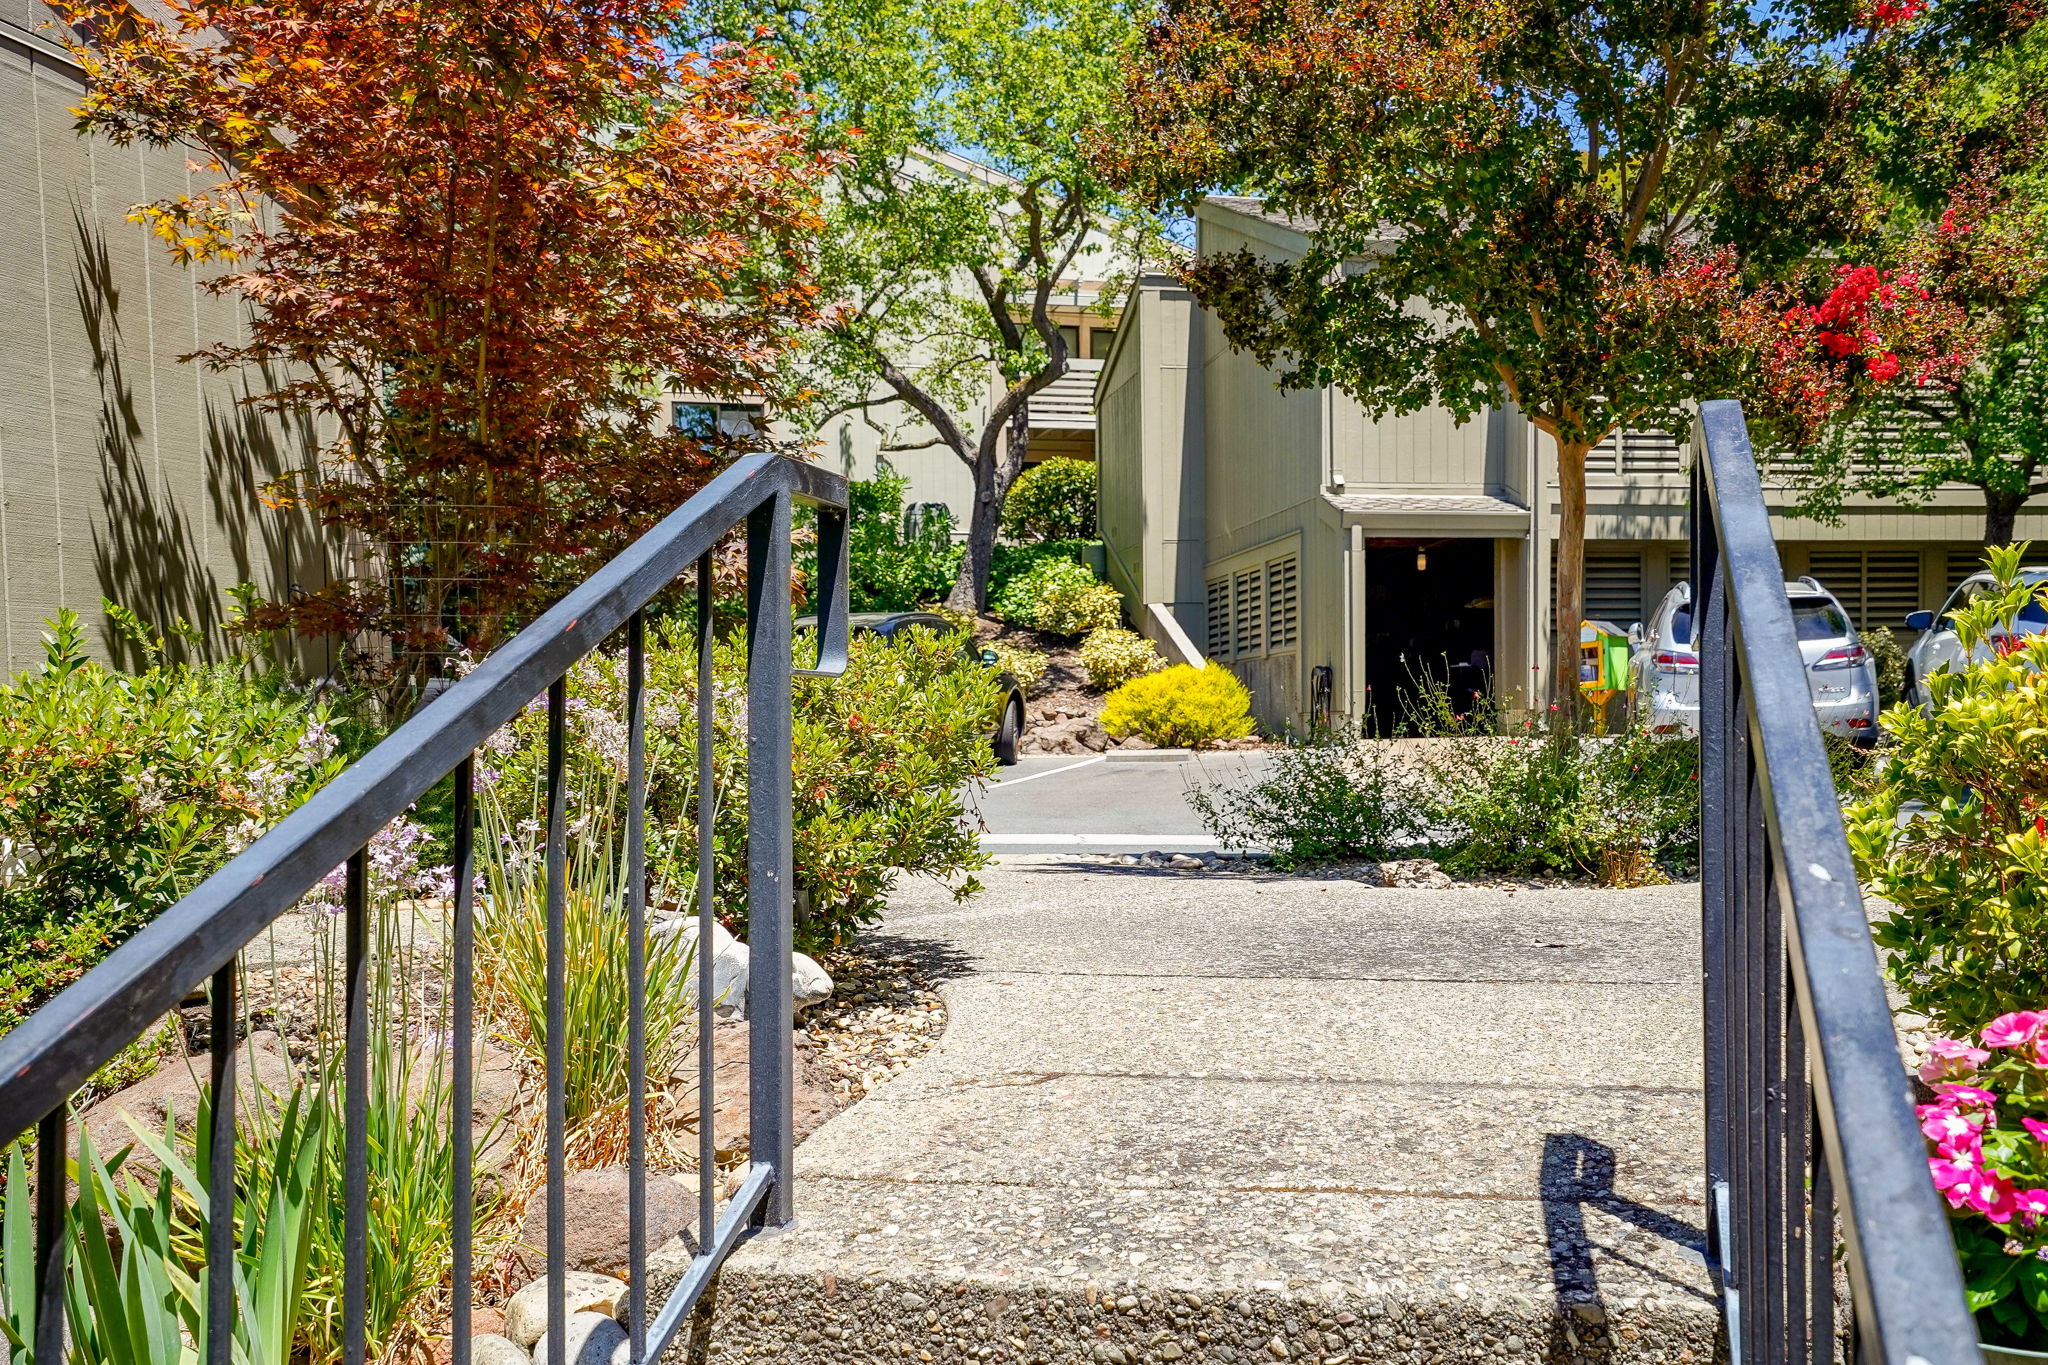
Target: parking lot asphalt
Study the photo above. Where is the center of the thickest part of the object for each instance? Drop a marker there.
(1065, 803)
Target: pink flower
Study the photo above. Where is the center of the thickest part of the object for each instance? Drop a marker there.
(2033, 1203)
(1949, 1130)
(2015, 1029)
(1988, 1193)
(1951, 1059)
(2037, 1128)
(1965, 1095)
(1949, 1173)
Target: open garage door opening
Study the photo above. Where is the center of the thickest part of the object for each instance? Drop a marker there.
(1428, 616)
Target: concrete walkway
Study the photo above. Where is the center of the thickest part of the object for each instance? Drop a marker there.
(1245, 1117)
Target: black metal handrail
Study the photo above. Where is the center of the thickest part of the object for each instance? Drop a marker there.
(1808, 1103)
(197, 941)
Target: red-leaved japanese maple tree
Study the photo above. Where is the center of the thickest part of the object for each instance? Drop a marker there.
(476, 238)
(1563, 204)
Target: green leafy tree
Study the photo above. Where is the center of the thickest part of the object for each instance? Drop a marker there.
(1561, 204)
(947, 272)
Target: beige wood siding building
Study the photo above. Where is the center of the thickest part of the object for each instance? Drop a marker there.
(124, 473)
(1328, 558)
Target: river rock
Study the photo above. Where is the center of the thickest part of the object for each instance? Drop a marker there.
(526, 1315)
(592, 1339)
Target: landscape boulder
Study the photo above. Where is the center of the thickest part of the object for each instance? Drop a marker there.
(595, 1231)
(526, 1315)
(730, 965)
(262, 1068)
(591, 1339)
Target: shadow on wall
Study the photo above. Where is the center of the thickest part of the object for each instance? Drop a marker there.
(148, 553)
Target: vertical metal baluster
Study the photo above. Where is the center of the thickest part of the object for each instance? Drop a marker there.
(1820, 1236)
(1797, 1164)
(771, 1045)
(220, 1190)
(1714, 889)
(50, 1239)
(636, 984)
(1751, 1094)
(356, 1114)
(462, 1105)
(557, 989)
(707, 923)
(1776, 1223)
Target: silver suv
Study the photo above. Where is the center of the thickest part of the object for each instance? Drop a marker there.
(1664, 665)
(1939, 649)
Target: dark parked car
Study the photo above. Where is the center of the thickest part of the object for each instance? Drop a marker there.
(887, 624)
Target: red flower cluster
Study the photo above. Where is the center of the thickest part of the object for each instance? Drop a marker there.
(1892, 13)
(1843, 322)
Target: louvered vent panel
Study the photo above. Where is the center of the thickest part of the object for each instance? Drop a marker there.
(1219, 618)
(1283, 603)
(1876, 587)
(1681, 566)
(1605, 458)
(1651, 452)
(1248, 606)
(1614, 586)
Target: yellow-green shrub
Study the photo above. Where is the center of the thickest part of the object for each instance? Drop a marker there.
(1181, 707)
(1113, 656)
(1025, 665)
(1071, 608)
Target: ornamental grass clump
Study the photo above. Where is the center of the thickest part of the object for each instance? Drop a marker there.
(1987, 1133)
(1181, 707)
(1113, 656)
(1953, 831)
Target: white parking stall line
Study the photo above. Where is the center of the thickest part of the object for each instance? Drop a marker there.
(1049, 772)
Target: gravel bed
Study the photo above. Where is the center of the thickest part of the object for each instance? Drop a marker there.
(884, 1014)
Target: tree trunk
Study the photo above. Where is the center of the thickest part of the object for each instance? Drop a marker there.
(994, 472)
(2001, 510)
(1571, 576)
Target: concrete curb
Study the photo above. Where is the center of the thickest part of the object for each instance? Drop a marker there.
(1148, 755)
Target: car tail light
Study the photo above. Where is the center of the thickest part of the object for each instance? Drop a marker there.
(1848, 656)
(1676, 661)
(1859, 722)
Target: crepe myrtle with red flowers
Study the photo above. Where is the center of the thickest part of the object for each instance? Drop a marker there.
(1987, 1135)
(1565, 206)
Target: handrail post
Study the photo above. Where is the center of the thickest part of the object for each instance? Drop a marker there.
(771, 1044)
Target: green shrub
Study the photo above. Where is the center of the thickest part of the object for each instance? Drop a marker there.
(1027, 666)
(1889, 658)
(1052, 500)
(1181, 707)
(889, 569)
(1967, 873)
(119, 793)
(1011, 562)
(1622, 809)
(1060, 597)
(1113, 656)
(1328, 799)
(881, 757)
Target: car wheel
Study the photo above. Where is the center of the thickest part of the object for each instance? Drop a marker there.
(1008, 732)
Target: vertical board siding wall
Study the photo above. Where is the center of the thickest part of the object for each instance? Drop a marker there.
(124, 473)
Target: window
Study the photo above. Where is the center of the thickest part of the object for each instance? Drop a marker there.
(703, 421)
(1100, 339)
(1816, 618)
(1072, 336)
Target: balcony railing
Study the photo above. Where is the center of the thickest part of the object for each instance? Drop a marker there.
(197, 941)
(1068, 403)
(1808, 1109)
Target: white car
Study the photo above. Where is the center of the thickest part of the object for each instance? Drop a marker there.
(1664, 665)
(1938, 649)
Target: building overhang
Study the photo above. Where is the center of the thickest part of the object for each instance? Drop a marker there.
(1432, 514)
